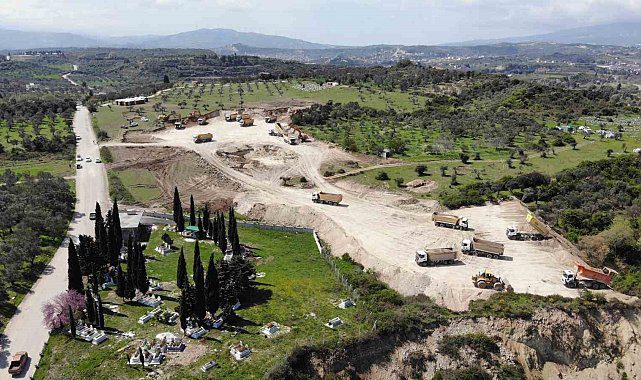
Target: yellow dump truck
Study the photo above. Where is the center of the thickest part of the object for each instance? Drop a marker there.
(327, 198)
(246, 122)
(542, 230)
(435, 256)
(203, 137)
(481, 247)
(451, 221)
(231, 116)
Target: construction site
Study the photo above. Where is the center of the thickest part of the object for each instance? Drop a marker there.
(248, 154)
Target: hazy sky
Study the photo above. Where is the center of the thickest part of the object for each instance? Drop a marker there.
(346, 22)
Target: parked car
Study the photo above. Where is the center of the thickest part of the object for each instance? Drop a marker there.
(18, 363)
(98, 160)
(88, 159)
(92, 216)
(78, 166)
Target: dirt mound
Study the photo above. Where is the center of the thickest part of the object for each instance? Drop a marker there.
(259, 161)
(421, 186)
(177, 167)
(138, 137)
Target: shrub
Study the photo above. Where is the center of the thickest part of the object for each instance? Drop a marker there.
(382, 176)
(420, 170)
(399, 181)
(482, 345)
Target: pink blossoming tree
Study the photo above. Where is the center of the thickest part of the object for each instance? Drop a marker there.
(56, 312)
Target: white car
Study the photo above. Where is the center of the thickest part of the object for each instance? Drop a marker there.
(98, 161)
(88, 159)
(78, 158)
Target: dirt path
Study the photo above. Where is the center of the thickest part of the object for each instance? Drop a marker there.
(380, 230)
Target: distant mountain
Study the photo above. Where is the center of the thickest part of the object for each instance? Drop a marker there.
(621, 34)
(197, 39)
(19, 40)
(216, 38)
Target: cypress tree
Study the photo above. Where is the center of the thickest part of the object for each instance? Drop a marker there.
(211, 287)
(216, 228)
(177, 206)
(196, 258)
(199, 310)
(222, 235)
(114, 248)
(184, 309)
(192, 211)
(141, 270)
(210, 230)
(206, 217)
(116, 225)
(89, 305)
(131, 256)
(100, 313)
(121, 286)
(74, 273)
(130, 288)
(201, 230)
(72, 323)
(181, 275)
(180, 227)
(98, 222)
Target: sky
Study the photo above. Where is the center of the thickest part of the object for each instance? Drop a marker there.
(340, 22)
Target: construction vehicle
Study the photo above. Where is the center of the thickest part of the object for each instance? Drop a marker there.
(246, 122)
(270, 119)
(481, 247)
(179, 125)
(242, 116)
(277, 130)
(291, 140)
(543, 231)
(327, 198)
(588, 278)
(302, 137)
(231, 116)
(435, 256)
(451, 221)
(201, 121)
(203, 137)
(486, 280)
(18, 363)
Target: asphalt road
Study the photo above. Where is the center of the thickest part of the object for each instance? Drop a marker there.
(25, 331)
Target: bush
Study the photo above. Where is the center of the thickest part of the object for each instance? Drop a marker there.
(482, 345)
(382, 176)
(399, 181)
(420, 170)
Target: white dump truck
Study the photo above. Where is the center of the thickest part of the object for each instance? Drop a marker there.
(451, 221)
(327, 198)
(585, 277)
(435, 256)
(542, 230)
(481, 247)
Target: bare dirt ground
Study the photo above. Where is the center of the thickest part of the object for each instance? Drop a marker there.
(380, 230)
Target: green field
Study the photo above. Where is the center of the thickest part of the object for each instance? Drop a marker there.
(494, 168)
(58, 165)
(134, 186)
(297, 282)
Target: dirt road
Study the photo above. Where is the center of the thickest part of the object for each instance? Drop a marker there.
(25, 331)
(380, 230)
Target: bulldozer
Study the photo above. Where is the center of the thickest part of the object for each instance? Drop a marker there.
(486, 280)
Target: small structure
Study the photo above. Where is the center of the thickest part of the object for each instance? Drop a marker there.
(386, 153)
(334, 323)
(218, 323)
(344, 304)
(149, 316)
(190, 232)
(90, 334)
(130, 222)
(209, 365)
(271, 329)
(565, 128)
(164, 249)
(195, 332)
(131, 101)
(240, 351)
(151, 301)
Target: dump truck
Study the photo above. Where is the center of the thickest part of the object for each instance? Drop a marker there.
(231, 116)
(542, 230)
(291, 140)
(435, 256)
(451, 221)
(481, 247)
(203, 137)
(327, 198)
(486, 280)
(246, 122)
(588, 278)
(18, 363)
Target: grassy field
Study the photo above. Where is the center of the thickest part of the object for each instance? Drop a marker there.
(58, 165)
(137, 186)
(12, 138)
(492, 169)
(297, 282)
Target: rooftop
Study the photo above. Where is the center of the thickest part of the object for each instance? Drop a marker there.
(130, 219)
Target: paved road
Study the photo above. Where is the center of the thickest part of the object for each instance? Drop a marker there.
(25, 331)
